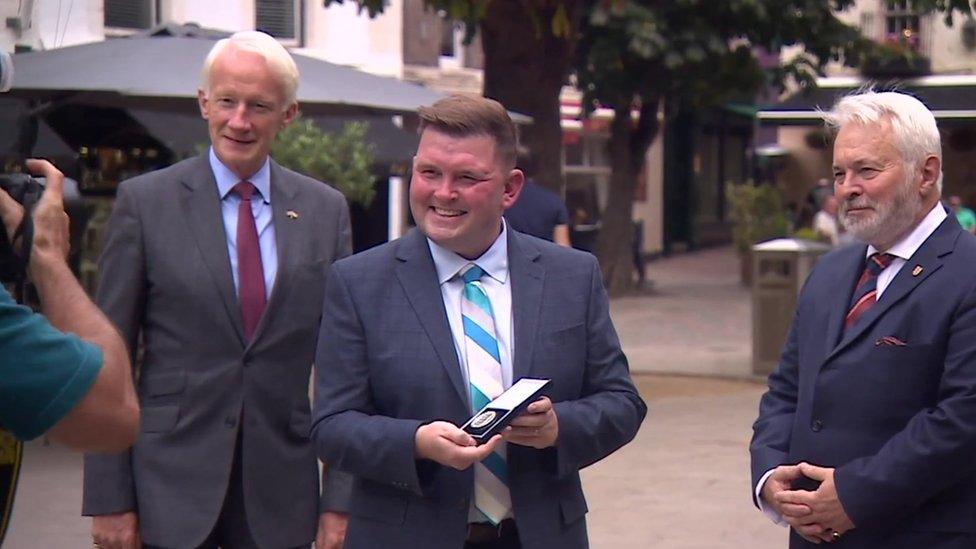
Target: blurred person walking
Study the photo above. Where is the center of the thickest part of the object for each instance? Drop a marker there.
(538, 211)
(964, 215)
(825, 222)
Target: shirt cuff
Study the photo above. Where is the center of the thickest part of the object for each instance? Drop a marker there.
(768, 511)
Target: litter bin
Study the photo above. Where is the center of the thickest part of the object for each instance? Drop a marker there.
(779, 268)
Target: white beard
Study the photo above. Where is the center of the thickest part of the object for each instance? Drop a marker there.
(890, 218)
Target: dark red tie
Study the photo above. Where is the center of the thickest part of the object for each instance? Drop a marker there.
(250, 272)
(866, 292)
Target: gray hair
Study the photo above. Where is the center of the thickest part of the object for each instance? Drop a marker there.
(279, 60)
(913, 127)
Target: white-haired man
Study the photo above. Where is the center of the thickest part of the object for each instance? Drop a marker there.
(867, 435)
(217, 266)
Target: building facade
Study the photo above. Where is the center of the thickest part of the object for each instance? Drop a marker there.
(941, 71)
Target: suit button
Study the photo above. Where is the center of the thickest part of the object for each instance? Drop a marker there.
(817, 425)
(462, 504)
(230, 421)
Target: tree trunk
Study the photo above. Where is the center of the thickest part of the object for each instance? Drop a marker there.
(525, 68)
(628, 145)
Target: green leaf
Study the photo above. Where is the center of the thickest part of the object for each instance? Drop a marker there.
(343, 160)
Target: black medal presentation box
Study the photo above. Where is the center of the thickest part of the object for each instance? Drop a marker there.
(497, 414)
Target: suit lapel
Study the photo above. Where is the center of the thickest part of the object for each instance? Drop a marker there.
(418, 277)
(849, 269)
(201, 205)
(526, 277)
(285, 197)
(929, 258)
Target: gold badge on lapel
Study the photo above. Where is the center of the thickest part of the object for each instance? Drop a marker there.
(291, 214)
(917, 270)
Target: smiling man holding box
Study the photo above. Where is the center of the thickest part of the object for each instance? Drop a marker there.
(419, 334)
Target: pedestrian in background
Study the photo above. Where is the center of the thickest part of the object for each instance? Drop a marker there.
(825, 222)
(538, 211)
(964, 215)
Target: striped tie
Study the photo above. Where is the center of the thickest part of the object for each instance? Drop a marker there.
(866, 291)
(491, 495)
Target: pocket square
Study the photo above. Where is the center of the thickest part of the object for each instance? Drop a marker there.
(890, 340)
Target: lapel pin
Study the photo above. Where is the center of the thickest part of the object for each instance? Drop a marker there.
(291, 214)
(917, 270)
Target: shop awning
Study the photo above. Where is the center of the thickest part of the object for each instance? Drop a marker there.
(951, 98)
(163, 73)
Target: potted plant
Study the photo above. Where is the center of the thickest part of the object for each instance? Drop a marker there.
(757, 215)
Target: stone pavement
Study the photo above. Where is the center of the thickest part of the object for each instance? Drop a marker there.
(682, 484)
(695, 319)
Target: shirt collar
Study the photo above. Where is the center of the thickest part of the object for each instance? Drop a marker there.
(494, 261)
(906, 247)
(226, 179)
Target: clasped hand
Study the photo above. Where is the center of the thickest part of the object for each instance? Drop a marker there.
(814, 515)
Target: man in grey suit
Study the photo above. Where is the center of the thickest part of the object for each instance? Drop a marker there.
(420, 332)
(217, 266)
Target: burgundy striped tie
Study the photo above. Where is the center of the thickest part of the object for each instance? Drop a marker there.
(866, 292)
(250, 272)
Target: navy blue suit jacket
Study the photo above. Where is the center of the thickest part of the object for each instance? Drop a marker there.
(897, 422)
(386, 364)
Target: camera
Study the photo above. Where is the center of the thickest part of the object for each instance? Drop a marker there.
(15, 249)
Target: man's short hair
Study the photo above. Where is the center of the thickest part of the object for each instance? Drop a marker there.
(275, 55)
(462, 115)
(913, 128)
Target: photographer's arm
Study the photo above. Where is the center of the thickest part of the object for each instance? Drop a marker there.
(107, 417)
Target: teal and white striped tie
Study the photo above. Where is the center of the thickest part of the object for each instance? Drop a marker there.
(491, 495)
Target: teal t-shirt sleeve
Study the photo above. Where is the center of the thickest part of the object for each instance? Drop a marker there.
(44, 373)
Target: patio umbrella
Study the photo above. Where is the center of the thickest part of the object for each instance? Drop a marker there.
(163, 73)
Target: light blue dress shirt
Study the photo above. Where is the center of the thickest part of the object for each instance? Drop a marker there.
(261, 207)
(498, 287)
(497, 284)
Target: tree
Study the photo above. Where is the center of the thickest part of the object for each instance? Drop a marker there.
(635, 55)
(529, 49)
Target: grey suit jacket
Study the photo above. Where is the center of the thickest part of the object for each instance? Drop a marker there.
(386, 364)
(166, 282)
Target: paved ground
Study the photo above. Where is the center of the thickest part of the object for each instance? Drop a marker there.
(695, 319)
(682, 484)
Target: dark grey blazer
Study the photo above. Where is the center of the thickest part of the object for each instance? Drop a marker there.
(166, 281)
(386, 363)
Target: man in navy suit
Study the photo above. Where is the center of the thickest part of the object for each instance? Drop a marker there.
(399, 365)
(867, 435)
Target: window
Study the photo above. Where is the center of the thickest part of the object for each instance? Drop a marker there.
(451, 42)
(129, 14)
(902, 24)
(279, 18)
